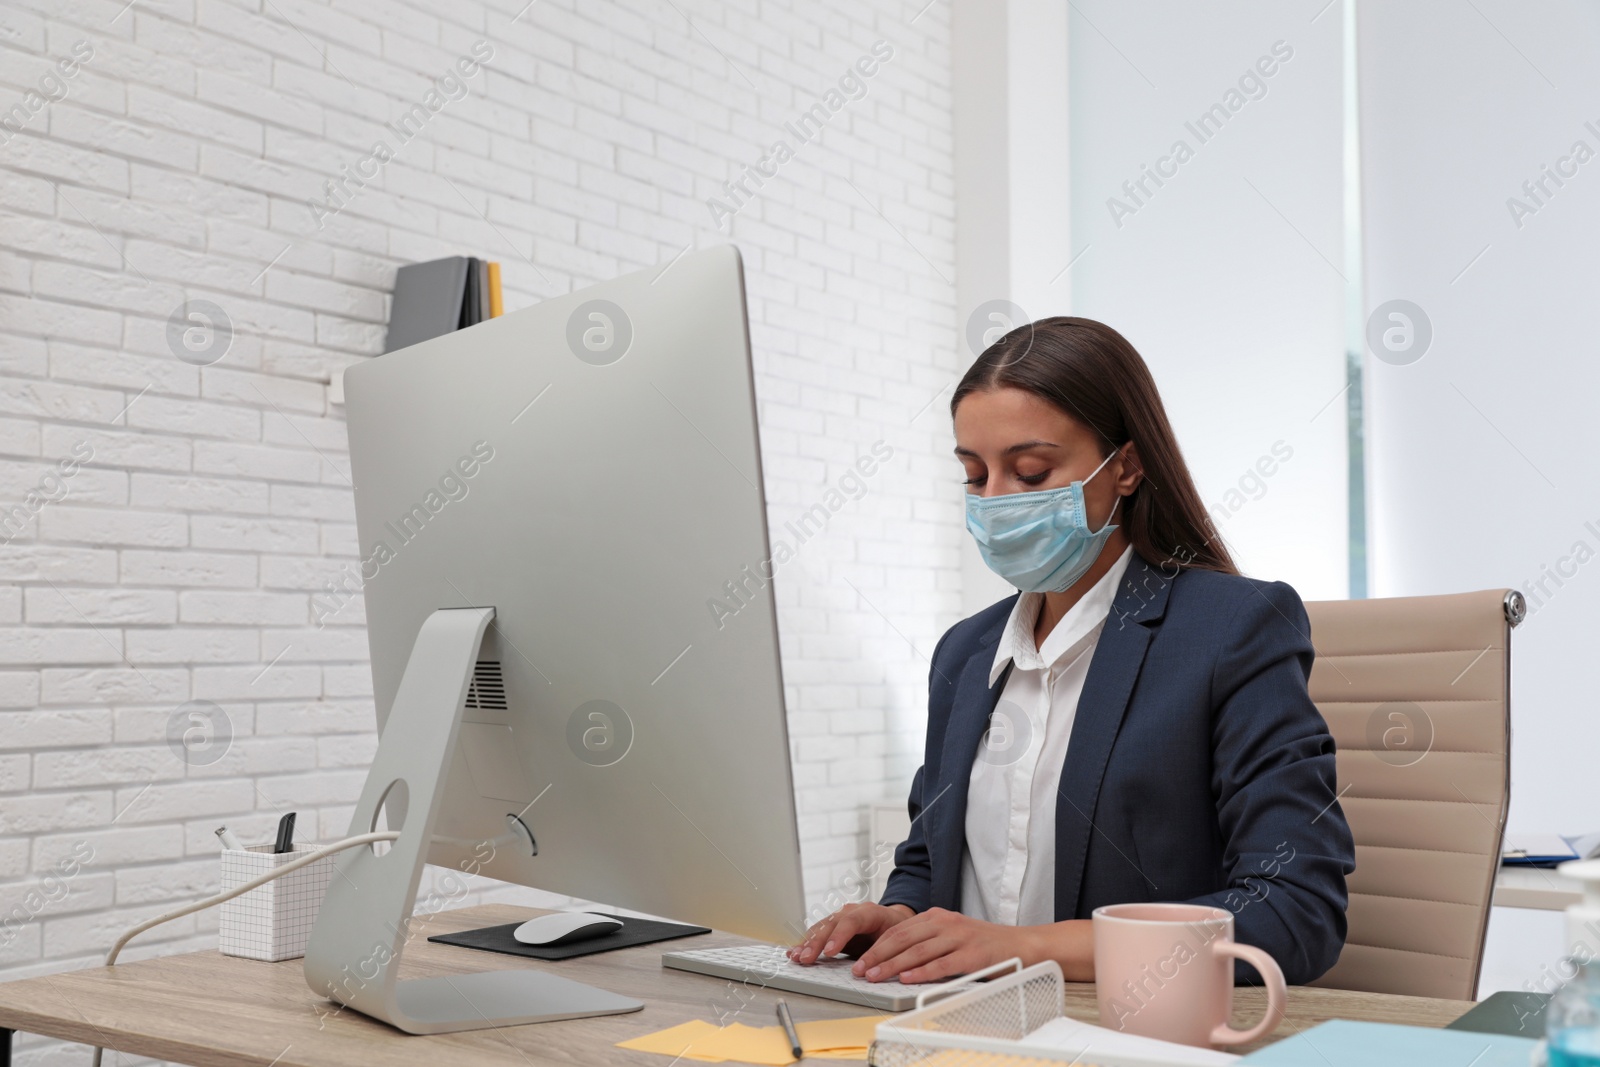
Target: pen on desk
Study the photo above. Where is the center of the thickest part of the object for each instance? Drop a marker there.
(229, 841)
(787, 1022)
(285, 841)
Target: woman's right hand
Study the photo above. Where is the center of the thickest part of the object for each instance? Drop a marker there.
(833, 933)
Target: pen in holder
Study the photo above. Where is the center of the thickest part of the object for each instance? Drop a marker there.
(271, 922)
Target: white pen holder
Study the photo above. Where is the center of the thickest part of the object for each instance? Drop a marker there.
(271, 922)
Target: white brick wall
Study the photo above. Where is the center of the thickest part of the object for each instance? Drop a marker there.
(181, 559)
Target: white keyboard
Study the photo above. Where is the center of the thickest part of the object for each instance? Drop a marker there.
(768, 966)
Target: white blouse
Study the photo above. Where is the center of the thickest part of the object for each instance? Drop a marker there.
(1008, 872)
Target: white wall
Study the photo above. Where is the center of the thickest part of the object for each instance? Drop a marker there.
(1227, 275)
(1013, 221)
(183, 557)
(1481, 447)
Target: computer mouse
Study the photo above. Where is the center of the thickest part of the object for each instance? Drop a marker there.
(565, 927)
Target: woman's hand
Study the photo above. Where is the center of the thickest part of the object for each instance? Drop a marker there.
(832, 934)
(939, 944)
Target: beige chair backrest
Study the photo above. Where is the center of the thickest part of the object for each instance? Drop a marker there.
(1416, 691)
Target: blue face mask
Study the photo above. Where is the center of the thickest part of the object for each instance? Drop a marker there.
(1039, 542)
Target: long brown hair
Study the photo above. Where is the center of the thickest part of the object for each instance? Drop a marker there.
(1091, 372)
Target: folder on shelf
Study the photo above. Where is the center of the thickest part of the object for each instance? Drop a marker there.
(497, 305)
(471, 312)
(441, 295)
(427, 301)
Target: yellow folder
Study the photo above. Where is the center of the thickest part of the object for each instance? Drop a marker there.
(496, 302)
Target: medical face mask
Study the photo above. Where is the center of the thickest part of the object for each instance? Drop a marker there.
(1040, 542)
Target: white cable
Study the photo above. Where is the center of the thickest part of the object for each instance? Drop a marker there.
(510, 837)
(189, 909)
(292, 865)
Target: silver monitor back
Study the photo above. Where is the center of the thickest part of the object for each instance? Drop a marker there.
(589, 467)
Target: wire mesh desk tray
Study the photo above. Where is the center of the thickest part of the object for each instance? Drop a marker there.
(969, 1022)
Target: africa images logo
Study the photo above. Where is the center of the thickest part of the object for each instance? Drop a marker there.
(805, 128)
(452, 486)
(741, 590)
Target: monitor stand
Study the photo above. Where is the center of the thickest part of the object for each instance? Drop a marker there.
(353, 956)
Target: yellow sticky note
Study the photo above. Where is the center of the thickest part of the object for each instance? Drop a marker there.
(856, 1033)
(748, 1044)
(765, 1046)
(686, 1040)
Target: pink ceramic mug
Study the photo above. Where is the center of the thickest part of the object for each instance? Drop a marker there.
(1166, 971)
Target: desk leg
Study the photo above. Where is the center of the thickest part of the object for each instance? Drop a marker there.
(5, 1047)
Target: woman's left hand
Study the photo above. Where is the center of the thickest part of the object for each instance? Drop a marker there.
(937, 944)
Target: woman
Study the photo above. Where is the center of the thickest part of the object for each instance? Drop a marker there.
(1133, 726)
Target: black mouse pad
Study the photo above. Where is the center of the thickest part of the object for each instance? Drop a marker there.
(633, 932)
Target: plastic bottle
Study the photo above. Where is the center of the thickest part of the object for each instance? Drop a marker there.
(1572, 1022)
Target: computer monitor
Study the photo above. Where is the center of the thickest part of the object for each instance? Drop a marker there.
(588, 469)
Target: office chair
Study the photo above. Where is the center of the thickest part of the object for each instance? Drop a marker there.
(1416, 691)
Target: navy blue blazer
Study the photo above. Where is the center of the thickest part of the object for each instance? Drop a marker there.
(1197, 770)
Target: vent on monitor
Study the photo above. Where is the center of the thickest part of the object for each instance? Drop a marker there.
(488, 687)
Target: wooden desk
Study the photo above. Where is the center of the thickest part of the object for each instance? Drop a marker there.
(220, 1011)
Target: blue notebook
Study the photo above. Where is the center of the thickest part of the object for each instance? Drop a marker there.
(1342, 1043)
